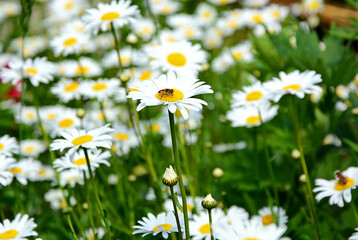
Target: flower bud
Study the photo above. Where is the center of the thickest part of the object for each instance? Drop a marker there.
(132, 38)
(205, 66)
(80, 113)
(355, 111)
(170, 178)
(209, 202)
(124, 77)
(218, 172)
(303, 178)
(295, 154)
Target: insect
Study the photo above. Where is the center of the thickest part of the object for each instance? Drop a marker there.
(166, 92)
(342, 179)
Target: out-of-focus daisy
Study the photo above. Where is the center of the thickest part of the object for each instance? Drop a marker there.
(242, 52)
(118, 13)
(354, 236)
(256, 17)
(75, 25)
(71, 177)
(222, 62)
(253, 95)
(191, 32)
(171, 91)
(25, 169)
(294, 83)
(342, 91)
(32, 147)
(64, 10)
(144, 28)
(38, 70)
(124, 139)
(181, 20)
(338, 190)
(101, 89)
(162, 224)
(8, 145)
(69, 43)
(67, 90)
(168, 205)
(312, 6)
(27, 115)
(104, 41)
(251, 116)
(255, 3)
(18, 229)
(87, 67)
(32, 46)
(268, 216)
(5, 175)
(67, 68)
(332, 139)
(45, 173)
(78, 160)
(277, 12)
(57, 200)
(271, 28)
(205, 14)
(181, 57)
(142, 74)
(171, 36)
(200, 228)
(235, 213)
(221, 2)
(165, 7)
(9, 9)
(66, 120)
(97, 234)
(226, 147)
(49, 114)
(81, 138)
(128, 57)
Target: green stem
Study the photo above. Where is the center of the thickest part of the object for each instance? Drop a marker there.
(117, 47)
(354, 211)
(98, 201)
(176, 212)
(211, 225)
(90, 216)
(310, 199)
(71, 226)
(103, 113)
(178, 170)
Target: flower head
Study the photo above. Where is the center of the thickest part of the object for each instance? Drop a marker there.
(19, 229)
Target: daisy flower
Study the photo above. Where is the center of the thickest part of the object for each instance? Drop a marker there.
(255, 3)
(67, 119)
(49, 114)
(180, 57)
(32, 147)
(5, 175)
(354, 236)
(64, 10)
(294, 83)
(101, 89)
(57, 200)
(69, 43)
(128, 56)
(78, 160)
(71, 177)
(235, 213)
(162, 224)
(124, 139)
(222, 62)
(253, 95)
(338, 190)
(165, 7)
(205, 14)
(25, 170)
(311, 7)
(67, 90)
(81, 138)
(249, 116)
(118, 13)
(8, 145)
(97, 234)
(27, 115)
(242, 52)
(268, 216)
(221, 2)
(144, 28)
(168, 205)
(45, 173)
(18, 229)
(87, 67)
(171, 91)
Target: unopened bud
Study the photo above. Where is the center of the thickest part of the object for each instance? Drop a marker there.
(132, 178)
(85, 205)
(218, 172)
(302, 178)
(132, 38)
(112, 179)
(80, 113)
(355, 111)
(205, 66)
(139, 170)
(124, 77)
(170, 178)
(209, 202)
(295, 154)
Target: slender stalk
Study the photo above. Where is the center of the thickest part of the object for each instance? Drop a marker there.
(102, 111)
(71, 226)
(176, 212)
(98, 201)
(310, 199)
(354, 211)
(90, 216)
(178, 170)
(117, 47)
(211, 225)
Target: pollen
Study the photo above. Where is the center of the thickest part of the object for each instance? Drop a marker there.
(254, 96)
(82, 139)
(177, 59)
(110, 16)
(70, 41)
(293, 87)
(205, 229)
(71, 87)
(162, 227)
(340, 186)
(9, 234)
(169, 95)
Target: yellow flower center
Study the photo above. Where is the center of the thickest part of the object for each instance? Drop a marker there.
(71, 179)
(110, 16)
(189, 32)
(155, 127)
(42, 172)
(166, 9)
(99, 86)
(176, 59)
(206, 14)
(340, 185)
(275, 13)
(65, 123)
(80, 161)
(314, 5)
(293, 87)
(169, 95)
(82, 139)
(31, 71)
(29, 149)
(267, 219)
(251, 239)
(121, 136)
(30, 115)
(63, 203)
(71, 87)
(51, 116)
(257, 18)
(238, 55)
(1, 146)
(133, 90)
(171, 39)
(254, 96)
(205, 229)
(224, 1)
(165, 227)
(15, 170)
(79, 28)
(82, 70)
(253, 120)
(9, 234)
(146, 30)
(232, 24)
(69, 5)
(145, 75)
(70, 41)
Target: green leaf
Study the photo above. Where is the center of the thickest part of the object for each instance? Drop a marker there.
(353, 145)
(177, 203)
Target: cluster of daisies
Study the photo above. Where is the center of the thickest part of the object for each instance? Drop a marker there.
(235, 223)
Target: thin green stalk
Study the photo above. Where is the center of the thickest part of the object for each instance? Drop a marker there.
(354, 211)
(309, 196)
(98, 201)
(90, 216)
(211, 225)
(71, 226)
(103, 113)
(117, 47)
(176, 212)
(178, 170)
